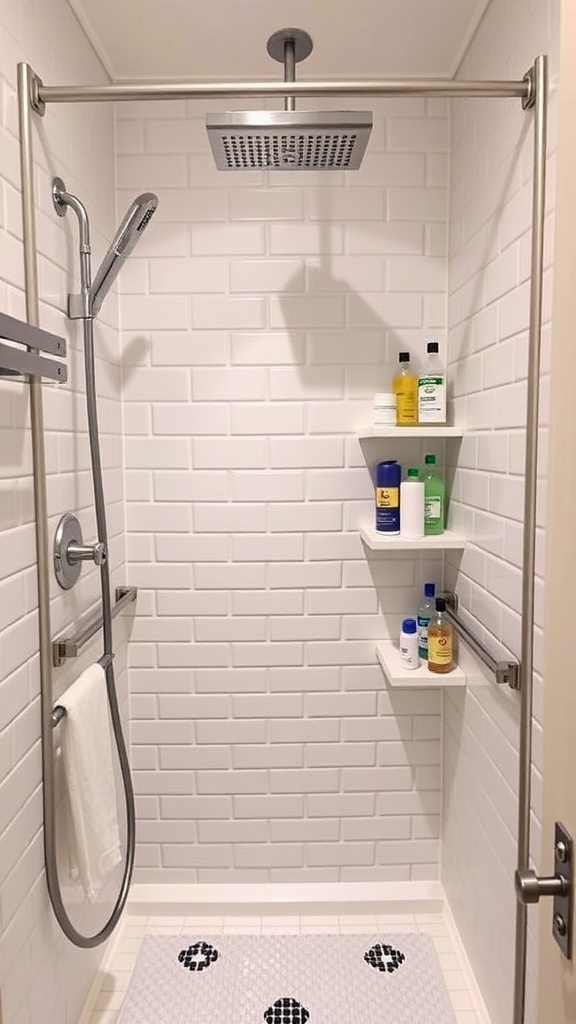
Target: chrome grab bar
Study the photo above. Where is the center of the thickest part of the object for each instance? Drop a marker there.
(70, 646)
(505, 671)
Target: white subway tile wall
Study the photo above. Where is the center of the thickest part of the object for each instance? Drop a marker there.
(42, 976)
(256, 698)
(259, 315)
(490, 216)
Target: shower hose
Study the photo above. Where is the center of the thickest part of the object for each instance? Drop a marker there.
(88, 941)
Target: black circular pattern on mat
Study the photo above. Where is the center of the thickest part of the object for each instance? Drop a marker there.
(286, 1011)
(198, 957)
(384, 958)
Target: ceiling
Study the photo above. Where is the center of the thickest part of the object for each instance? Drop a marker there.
(226, 39)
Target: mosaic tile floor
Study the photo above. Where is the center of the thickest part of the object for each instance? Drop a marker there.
(120, 960)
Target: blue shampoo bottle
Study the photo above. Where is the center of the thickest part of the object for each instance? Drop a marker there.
(388, 476)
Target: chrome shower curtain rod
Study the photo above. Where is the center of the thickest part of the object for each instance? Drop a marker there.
(41, 94)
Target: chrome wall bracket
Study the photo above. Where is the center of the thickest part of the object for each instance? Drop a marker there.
(79, 306)
(530, 887)
(529, 99)
(36, 102)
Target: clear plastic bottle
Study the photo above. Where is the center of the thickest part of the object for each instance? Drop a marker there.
(405, 387)
(423, 616)
(434, 498)
(440, 640)
(432, 388)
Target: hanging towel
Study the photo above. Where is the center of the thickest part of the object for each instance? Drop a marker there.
(89, 775)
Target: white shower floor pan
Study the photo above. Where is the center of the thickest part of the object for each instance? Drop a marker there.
(297, 910)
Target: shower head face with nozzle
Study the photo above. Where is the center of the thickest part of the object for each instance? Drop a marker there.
(130, 230)
(289, 140)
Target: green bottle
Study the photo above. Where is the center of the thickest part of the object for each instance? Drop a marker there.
(434, 498)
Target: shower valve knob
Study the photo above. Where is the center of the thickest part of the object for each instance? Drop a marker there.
(70, 551)
(86, 553)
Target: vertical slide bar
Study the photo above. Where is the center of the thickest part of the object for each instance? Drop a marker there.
(43, 559)
(540, 81)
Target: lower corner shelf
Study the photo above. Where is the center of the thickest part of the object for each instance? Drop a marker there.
(396, 675)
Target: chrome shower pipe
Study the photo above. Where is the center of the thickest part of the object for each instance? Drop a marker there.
(42, 94)
(540, 83)
(289, 71)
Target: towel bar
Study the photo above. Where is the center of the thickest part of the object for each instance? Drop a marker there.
(15, 363)
(70, 646)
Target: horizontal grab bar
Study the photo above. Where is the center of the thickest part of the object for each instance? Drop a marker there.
(70, 646)
(504, 671)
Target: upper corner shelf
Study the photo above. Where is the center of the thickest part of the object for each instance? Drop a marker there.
(396, 675)
(14, 362)
(422, 431)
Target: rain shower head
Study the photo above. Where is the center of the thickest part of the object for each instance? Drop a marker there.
(289, 140)
(128, 233)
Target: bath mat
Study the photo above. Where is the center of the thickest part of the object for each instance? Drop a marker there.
(287, 979)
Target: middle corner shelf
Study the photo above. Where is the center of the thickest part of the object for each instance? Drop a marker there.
(377, 541)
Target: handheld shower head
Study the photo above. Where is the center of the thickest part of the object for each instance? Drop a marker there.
(134, 223)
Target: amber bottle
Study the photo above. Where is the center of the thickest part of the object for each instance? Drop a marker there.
(440, 640)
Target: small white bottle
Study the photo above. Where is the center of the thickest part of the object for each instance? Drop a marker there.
(385, 409)
(412, 506)
(409, 644)
(432, 388)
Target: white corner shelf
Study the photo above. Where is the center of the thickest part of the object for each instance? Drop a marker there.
(377, 541)
(429, 431)
(396, 675)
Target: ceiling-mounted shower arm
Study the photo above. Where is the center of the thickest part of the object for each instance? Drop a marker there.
(289, 46)
(289, 72)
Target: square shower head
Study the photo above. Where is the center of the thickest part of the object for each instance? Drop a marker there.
(289, 140)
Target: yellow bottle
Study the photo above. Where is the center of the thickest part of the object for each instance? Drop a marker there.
(405, 387)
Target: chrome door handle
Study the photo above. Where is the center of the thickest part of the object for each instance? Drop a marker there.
(530, 886)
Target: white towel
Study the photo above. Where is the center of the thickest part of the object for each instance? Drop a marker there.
(89, 773)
